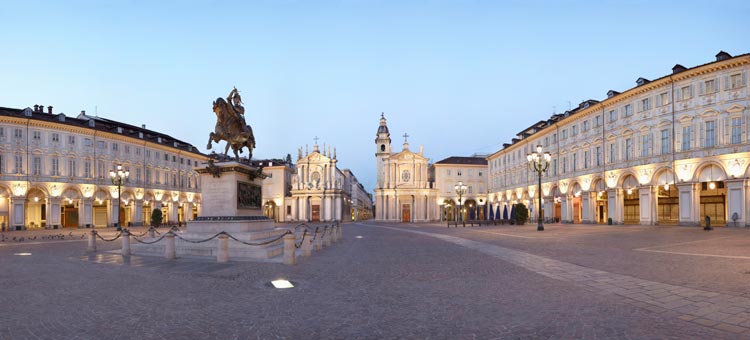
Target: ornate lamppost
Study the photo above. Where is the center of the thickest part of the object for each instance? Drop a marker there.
(119, 177)
(460, 189)
(539, 162)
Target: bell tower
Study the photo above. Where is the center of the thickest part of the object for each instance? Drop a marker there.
(383, 149)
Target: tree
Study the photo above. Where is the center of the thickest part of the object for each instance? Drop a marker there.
(156, 218)
(522, 213)
(289, 159)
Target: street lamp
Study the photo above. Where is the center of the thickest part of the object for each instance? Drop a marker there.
(539, 162)
(460, 189)
(119, 177)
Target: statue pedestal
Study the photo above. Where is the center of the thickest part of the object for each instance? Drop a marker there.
(231, 202)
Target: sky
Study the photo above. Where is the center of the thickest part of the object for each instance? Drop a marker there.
(460, 77)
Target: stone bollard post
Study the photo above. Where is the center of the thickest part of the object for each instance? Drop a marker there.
(335, 234)
(327, 238)
(92, 241)
(151, 233)
(318, 240)
(306, 246)
(223, 255)
(169, 250)
(125, 242)
(290, 257)
(341, 232)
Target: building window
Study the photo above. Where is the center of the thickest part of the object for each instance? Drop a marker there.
(628, 148)
(736, 130)
(480, 174)
(100, 169)
(87, 142)
(736, 81)
(55, 166)
(127, 149)
(586, 159)
(565, 164)
(686, 92)
(115, 147)
(665, 142)
(17, 133)
(71, 168)
(564, 134)
(575, 161)
(627, 110)
(645, 145)
(710, 133)
(554, 138)
(611, 152)
(574, 130)
(101, 145)
(458, 173)
(148, 176)
(189, 162)
(645, 104)
(174, 159)
(597, 121)
(554, 167)
(447, 172)
(598, 156)
(71, 140)
(36, 135)
(138, 175)
(663, 99)
(19, 165)
(56, 137)
(87, 168)
(36, 166)
(710, 86)
(612, 116)
(166, 157)
(686, 138)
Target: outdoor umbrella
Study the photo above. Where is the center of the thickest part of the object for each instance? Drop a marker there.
(471, 213)
(513, 212)
(492, 216)
(505, 212)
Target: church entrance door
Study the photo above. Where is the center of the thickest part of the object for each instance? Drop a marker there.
(405, 213)
(316, 213)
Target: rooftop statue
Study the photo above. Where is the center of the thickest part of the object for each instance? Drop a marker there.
(231, 126)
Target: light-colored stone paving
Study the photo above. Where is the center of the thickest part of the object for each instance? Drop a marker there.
(722, 311)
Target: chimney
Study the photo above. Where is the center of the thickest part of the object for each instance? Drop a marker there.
(678, 68)
(143, 126)
(49, 109)
(83, 112)
(41, 108)
(722, 56)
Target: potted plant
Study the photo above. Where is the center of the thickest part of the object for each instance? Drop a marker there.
(156, 218)
(522, 213)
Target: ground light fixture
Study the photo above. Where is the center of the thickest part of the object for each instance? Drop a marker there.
(282, 284)
(358, 236)
(22, 254)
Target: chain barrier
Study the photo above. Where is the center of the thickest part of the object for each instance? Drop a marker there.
(106, 240)
(150, 242)
(302, 225)
(261, 243)
(302, 240)
(140, 235)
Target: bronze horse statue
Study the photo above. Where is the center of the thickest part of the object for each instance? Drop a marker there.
(231, 126)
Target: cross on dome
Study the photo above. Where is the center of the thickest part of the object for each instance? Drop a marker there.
(406, 135)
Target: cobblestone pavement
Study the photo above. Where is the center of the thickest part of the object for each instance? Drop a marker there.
(396, 281)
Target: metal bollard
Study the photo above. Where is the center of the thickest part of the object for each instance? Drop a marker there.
(289, 251)
(125, 242)
(92, 241)
(169, 250)
(151, 233)
(318, 240)
(223, 254)
(306, 246)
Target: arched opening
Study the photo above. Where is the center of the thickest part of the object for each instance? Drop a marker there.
(147, 210)
(713, 194)
(100, 209)
(557, 204)
(667, 199)
(270, 210)
(36, 209)
(4, 209)
(470, 210)
(126, 206)
(447, 209)
(601, 202)
(70, 203)
(631, 208)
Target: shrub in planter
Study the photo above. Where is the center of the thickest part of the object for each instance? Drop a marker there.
(522, 213)
(156, 218)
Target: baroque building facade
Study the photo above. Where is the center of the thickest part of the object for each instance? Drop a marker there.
(404, 191)
(54, 172)
(674, 150)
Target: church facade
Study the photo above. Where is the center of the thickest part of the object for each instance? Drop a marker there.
(404, 192)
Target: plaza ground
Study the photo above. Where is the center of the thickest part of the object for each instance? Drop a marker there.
(415, 281)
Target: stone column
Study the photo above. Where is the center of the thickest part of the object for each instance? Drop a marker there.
(173, 211)
(586, 208)
(53, 212)
(17, 213)
(187, 211)
(646, 199)
(138, 212)
(169, 249)
(689, 201)
(289, 250)
(222, 255)
(113, 212)
(616, 205)
(86, 212)
(549, 209)
(566, 205)
(736, 198)
(125, 242)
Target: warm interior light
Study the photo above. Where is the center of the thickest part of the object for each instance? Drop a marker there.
(666, 187)
(630, 191)
(36, 199)
(712, 185)
(282, 284)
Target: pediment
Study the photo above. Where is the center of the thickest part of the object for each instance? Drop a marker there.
(736, 108)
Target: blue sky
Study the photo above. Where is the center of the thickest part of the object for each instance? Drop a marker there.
(460, 77)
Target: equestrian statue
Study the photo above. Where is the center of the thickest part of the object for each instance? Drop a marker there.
(231, 126)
